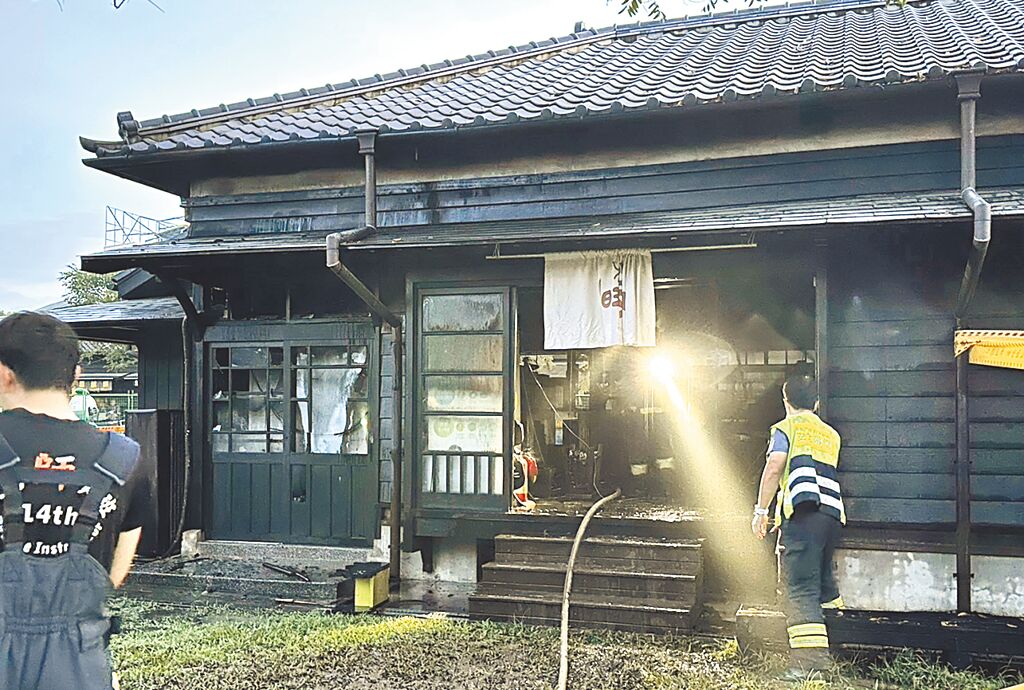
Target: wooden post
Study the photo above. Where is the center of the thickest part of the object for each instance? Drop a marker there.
(407, 370)
(396, 455)
(963, 490)
(821, 325)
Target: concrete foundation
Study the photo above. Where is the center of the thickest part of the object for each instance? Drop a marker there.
(998, 585)
(190, 540)
(897, 581)
(454, 558)
(869, 580)
(412, 563)
(454, 561)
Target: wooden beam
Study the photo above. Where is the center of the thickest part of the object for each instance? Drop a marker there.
(963, 490)
(821, 361)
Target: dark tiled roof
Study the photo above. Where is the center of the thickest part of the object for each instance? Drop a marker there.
(126, 311)
(871, 208)
(736, 55)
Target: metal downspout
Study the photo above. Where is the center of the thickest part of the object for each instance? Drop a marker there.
(969, 91)
(368, 149)
(380, 310)
(367, 146)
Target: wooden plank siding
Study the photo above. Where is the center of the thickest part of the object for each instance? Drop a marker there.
(161, 365)
(996, 414)
(893, 383)
(996, 396)
(387, 415)
(678, 186)
(892, 398)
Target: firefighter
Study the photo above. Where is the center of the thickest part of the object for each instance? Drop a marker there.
(802, 462)
(84, 405)
(73, 501)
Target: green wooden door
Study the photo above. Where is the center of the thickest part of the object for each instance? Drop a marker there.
(292, 440)
(463, 399)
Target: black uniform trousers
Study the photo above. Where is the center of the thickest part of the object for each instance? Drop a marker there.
(807, 544)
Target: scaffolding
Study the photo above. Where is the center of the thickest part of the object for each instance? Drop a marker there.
(124, 228)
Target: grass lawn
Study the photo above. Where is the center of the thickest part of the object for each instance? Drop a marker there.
(221, 648)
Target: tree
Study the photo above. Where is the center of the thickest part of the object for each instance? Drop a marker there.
(652, 8)
(118, 4)
(81, 288)
(649, 7)
(115, 357)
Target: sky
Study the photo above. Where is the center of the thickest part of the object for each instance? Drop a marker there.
(67, 68)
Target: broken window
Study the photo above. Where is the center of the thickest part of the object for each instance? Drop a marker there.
(330, 400)
(248, 399)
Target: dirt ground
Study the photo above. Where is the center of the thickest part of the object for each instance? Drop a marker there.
(215, 648)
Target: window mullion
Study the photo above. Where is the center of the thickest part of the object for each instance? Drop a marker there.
(231, 406)
(287, 421)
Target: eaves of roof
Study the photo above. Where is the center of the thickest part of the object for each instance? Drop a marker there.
(750, 54)
(841, 211)
(121, 313)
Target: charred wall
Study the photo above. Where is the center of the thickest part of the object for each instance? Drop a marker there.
(892, 379)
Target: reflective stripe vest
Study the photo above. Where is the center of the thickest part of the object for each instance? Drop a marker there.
(811, 474)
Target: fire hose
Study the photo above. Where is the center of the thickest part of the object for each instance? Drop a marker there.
(563, 665)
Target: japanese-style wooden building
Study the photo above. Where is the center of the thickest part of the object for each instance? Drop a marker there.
(817, 184)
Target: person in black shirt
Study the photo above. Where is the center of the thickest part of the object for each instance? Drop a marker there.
(35, 436)
(73, 501)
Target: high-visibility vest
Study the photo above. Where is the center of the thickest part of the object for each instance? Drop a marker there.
(811, 475)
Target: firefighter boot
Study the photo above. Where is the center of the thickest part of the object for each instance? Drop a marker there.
(807, 664)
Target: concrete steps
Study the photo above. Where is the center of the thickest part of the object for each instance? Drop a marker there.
(631, 584)
(586, 611)
(238, 569)
(287, 554)
(594, 580)
(317, 590)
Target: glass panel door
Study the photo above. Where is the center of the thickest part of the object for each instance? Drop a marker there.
(291, 439)
(462, 415)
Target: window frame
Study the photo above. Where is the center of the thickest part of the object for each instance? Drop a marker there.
(296, 340)
(292, 399)
(230, 433)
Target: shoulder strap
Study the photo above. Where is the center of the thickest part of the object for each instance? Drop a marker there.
(114, 466)
(10, 487)
(6, 452)
(118, 459)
